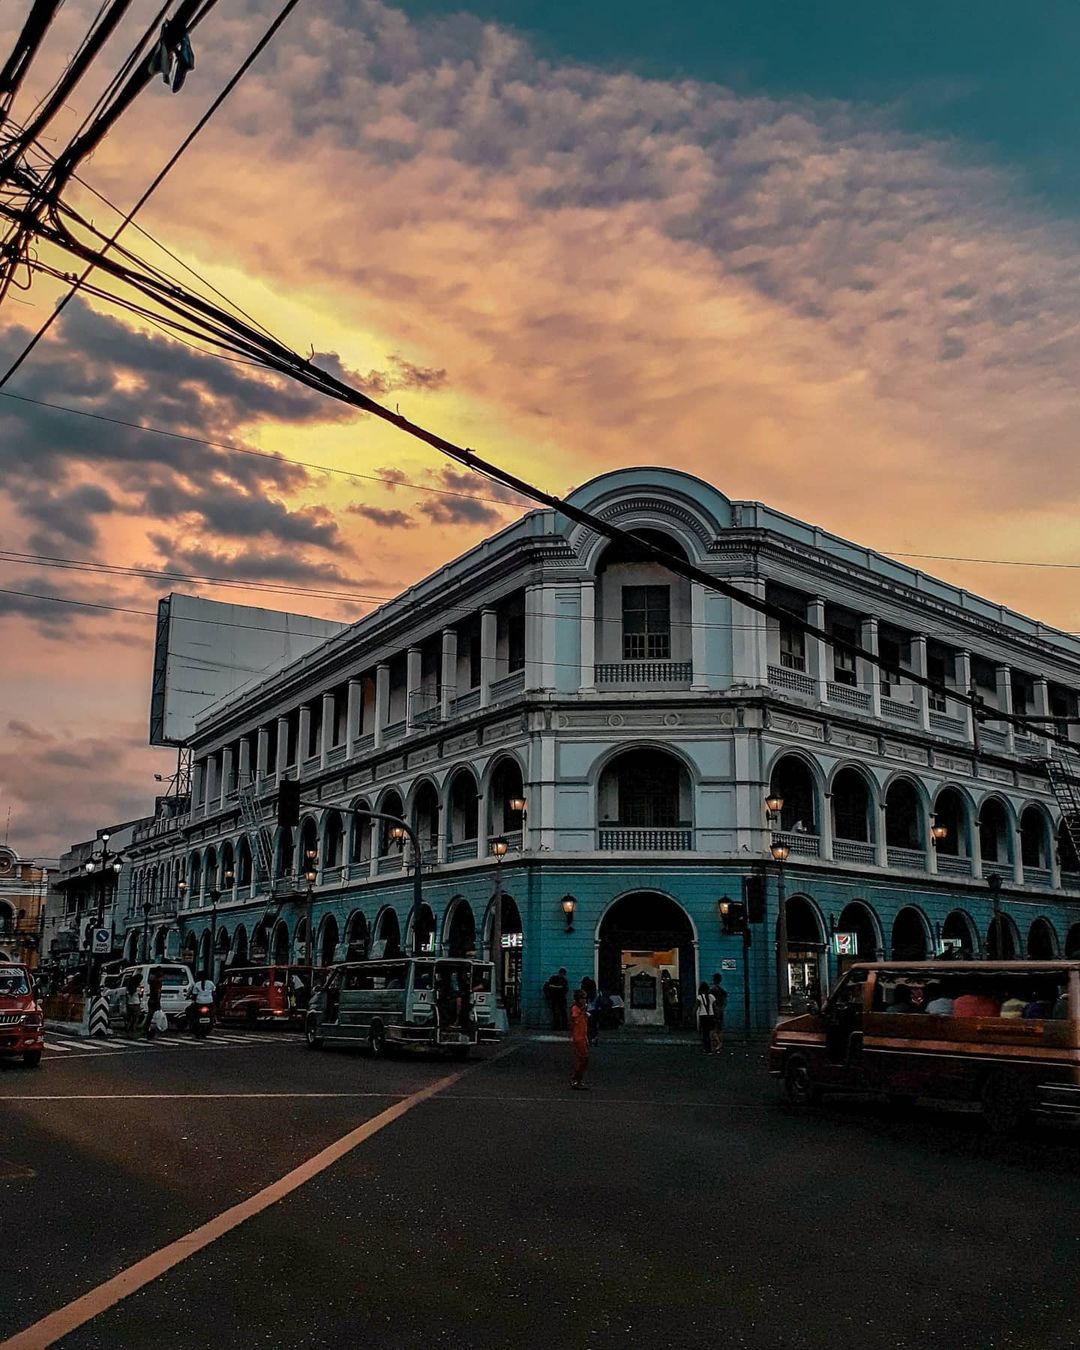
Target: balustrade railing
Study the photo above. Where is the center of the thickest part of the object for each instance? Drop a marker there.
(899, 712)
(844, 696)
(644, 672)
(853, 851)
(911, 859)
(1038, 876)
(952, 865)
(467, 702)
(508, 686)
(394, 731)
(800, 842)
(616, 839)
(459, 852)
(336, 754)
(782, 678)
(952, 726)
(389, 862)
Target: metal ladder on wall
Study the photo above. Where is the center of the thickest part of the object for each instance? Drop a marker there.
(1066, 788)
(262, 861)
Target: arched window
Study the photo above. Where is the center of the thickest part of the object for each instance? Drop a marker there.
(1034, 838)
(286, 853)
(309, 860)
(360, 835)
(459, 929)
(328, 941)
(958, 935)
(391, 805)
(994, 832)
(951, 815)
(463, 819)
(792, 780)
(333, 839)
(1042, 942)
(356, 937)
(425, 817)
(645, 801)
(851, 807)
(1002, 938)
(910, 939)
(506, 786)
(642, 611)
(244, 862)
(1067, 851)
(904, 816)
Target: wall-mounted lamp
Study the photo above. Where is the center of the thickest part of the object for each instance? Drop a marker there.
(937, 832)
(397, 833)
(773, 806)
(499, 847)
(569, 904)
(517, 804)
(779, 851)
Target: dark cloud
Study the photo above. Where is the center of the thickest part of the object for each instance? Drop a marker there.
(392, 477)
(239, 515)
(468, 509)
(387, 519)
(402, 375)
(65, 518)
(251, 564)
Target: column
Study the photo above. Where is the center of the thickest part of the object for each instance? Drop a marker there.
(698, 673)
(487, 649)
(749, 655)
(353, 715)
(963, 680)
(881, 843)
(329, 717)
(448, 677)
(226, 773)
(244, 777)
(1003, 682)
(382, 700)
(919, 666)
(1017, 857)
(587, 679)
(198, 784)
(210, 783)
(817, 649)
(412, 686)
(868, 672)
(373, 861)
(303, 735)
(262, 755)
(1042, 709)
(282, 745)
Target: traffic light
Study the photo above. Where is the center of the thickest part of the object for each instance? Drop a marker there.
(732, 916)
(288, 803)
(754, 896)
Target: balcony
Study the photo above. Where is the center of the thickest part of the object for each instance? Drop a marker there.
(1038, 876)
(359, 869)
(389, 862)
(992, 740)
(617, 839)
(467, 702)
(951, 726)
(854, 851)
(336, 754)
(910, 859)
(668, 674)
(462, 851)
(794, 680)
(393, 731)
(800, 843)
(952, 865)
(508, 687)
(243, 892)
(844, 696)
(900, 712)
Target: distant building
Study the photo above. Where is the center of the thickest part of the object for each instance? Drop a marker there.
(621, 728)
(80, 896)
(23, 885)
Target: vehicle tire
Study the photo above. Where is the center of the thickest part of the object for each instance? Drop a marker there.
(252, 1017)
(1006, 1102)
(460, 1051)
(377, 1041)
(802, 1091)
(31, 1058)
(311, 1034)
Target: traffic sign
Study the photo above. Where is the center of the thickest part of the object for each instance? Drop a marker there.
(100, 941)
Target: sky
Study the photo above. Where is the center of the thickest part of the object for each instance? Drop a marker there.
(824, 256)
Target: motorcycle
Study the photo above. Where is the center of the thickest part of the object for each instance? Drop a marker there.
(202, 1020)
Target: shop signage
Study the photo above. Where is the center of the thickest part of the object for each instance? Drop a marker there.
(845, 944)
(512, 940)
(729, 963)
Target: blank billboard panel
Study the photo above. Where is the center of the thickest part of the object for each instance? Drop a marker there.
(206, 650)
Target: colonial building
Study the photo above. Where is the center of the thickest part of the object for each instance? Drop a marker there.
(89, 886)
(621, 728)
(23, 884)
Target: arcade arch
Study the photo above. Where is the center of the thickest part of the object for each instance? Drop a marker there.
(644, 940)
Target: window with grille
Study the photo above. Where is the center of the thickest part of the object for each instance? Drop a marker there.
(792, 648)
(515, 643)
(938, 669)
(844, 668)
(646, 623)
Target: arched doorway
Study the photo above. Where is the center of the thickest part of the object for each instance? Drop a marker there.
(301, 949)
(808, 975)
(1042, 941)
(356, 938)
(459, 932)
(859, 920)
(793, 783)
(221, 956)
(513, 950)
(1072, 942)
(279, 947)
(645, 939)
(131, 947)
(239, 952)
(1002, 939)
(424, 937)
(958, 936)
(190, 951)
(910, 940)
(159, 944)
(328, 941)
(204, 952)
(387, 938)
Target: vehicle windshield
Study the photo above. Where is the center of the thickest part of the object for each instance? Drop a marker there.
(175, 976)
(13, 982)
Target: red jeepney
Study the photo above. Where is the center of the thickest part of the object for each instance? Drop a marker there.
(22, 1023)
(252, 994)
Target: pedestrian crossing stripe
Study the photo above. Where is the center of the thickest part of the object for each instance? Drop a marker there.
(68, 1044)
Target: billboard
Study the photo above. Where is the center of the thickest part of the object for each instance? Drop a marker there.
(206, 650)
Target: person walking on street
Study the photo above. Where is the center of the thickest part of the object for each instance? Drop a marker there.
(131, 1004)
(672, 1001)
(556, 989)
(705, 1016)
(153, 1002)
(579, 1039)
(719, 996)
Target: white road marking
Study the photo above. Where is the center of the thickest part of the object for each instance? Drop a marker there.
(196, 1096)
(64, 1321)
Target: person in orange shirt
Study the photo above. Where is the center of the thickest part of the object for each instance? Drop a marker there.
(579, 1038)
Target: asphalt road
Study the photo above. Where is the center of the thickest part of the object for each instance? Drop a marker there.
(677, 1203)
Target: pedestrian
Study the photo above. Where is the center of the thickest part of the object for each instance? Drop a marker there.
(672, 1002)
(705, 1016)
(202, 992)
(153, 1002)
(555, 991)
(719, 995)
(579, 1039)
(592, 1007)
(131, 1003)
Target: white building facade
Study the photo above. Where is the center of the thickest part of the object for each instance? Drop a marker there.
(642, 719)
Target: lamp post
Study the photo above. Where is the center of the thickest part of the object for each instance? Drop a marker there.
(498, 847)
(102, 864)
(147, 907)
(994, 882)
(774, 805)
(311, 875)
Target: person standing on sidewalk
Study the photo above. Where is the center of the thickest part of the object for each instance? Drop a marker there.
(579, 1038)
(705, 1017)
(153, 1002)
(719, 997)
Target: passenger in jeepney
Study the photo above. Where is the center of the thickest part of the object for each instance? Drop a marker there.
(972, 1003)
(1013, 1006)
(1061, 1004)
(936, 1003)
(447, 999)
(901, 1000)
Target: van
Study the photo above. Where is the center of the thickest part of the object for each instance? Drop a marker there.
(22, 1022)
(253, 994)
(439, 1004)
(1003, 1034)
(177, 985)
